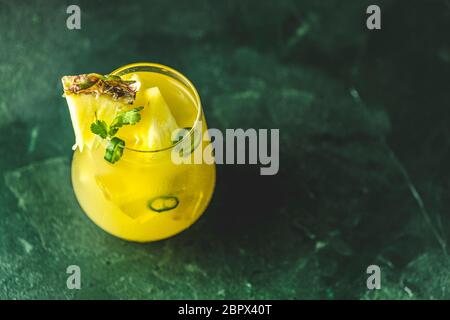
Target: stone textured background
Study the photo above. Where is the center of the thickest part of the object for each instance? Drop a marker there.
(364, 170)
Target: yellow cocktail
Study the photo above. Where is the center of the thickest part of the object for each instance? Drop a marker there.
(145, 196)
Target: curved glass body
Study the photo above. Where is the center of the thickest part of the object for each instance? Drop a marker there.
(145, 196)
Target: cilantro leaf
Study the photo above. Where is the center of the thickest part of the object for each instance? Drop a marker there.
(100, 128)
(115, 146)
(114, 150)
(126, 117)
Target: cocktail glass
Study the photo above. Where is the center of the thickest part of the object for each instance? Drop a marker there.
(146, 196)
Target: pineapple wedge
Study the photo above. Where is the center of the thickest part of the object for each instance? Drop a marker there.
(154, 131)
(93, 96)
(157, 123)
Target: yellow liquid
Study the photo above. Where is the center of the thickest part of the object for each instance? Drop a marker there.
(145, 196)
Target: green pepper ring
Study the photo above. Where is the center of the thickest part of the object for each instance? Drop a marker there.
(164, 198)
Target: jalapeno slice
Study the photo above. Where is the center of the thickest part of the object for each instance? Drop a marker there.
(163, 203)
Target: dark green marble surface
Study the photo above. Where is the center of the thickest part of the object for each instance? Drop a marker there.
(365, 158)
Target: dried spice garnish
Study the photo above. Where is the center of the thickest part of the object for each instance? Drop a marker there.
(97, 84)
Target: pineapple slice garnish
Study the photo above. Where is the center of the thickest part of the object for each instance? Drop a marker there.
(91, 97)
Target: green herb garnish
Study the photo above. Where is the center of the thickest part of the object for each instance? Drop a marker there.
(127, 117)
(100, 128)
(115, 146)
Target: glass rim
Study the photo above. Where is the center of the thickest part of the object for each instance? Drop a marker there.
(135, 67)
